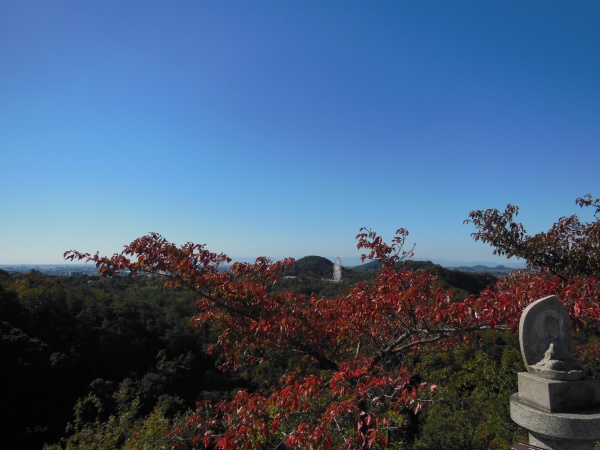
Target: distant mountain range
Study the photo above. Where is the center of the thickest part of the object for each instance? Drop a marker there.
(353, 261)
(498, 271)
(451, 264)
(314, 265)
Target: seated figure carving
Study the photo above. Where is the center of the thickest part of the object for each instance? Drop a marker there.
(558, 369)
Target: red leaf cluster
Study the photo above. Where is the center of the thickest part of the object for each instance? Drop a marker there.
(357, 347)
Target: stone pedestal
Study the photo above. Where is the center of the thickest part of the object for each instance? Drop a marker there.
(559, 396)
(556, 403)
(556, 431)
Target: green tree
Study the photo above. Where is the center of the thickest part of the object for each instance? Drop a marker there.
(471, 411)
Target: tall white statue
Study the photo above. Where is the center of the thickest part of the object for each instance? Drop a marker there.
(337, 270)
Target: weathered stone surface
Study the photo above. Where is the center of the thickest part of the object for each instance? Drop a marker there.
(557, 405)
(545, 339)
(559, 396)
(557, 431)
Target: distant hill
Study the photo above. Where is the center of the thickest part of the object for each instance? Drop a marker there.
(311, 266)
(372, 266)
(471, 281)
(464, 282)
(499, 271)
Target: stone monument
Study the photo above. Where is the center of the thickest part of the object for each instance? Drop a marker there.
(337, 270)
(556, 402)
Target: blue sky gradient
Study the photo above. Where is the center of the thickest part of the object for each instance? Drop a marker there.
(280, 128)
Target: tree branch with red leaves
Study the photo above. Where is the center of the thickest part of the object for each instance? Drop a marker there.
(357, 349)
(569, 248)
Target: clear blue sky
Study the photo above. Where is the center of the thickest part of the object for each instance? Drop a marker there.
(280, 128)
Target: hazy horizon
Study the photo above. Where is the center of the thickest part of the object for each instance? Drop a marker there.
(347, 261)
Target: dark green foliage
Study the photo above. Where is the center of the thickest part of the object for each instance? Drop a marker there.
(311, 266)
(117, 360)
(69, 338)
(312, 275)
(464, 283)
(471, 411)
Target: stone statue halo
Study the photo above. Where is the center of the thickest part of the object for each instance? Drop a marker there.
(545, 346)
